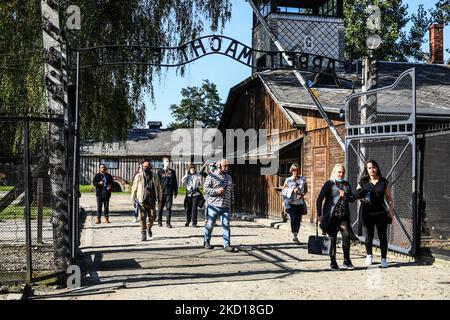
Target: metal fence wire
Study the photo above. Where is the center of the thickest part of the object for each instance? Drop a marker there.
(393, 104)
(32, 245)
(394, 156)
(380, 125)
(434, 191)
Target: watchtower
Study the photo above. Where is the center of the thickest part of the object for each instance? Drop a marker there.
(309, 26)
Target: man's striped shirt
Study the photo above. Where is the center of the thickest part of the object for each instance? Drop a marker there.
(213, 183)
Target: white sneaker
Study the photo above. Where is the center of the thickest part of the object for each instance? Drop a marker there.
(369, 260)
(135, 220)
(384, 263)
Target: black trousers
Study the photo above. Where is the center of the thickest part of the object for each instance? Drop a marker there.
(166, 201)
(381, 222)
(102, 201)
(295, 213)
(339, 225)
(191, 210)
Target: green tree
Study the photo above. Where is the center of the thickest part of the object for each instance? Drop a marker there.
(112, 97)
(441, 12)
(198, 104)
(21, 73)
(394, 18)
(397, 44)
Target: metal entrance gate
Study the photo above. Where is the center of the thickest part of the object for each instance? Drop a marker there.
(35, 243)
(380, 124)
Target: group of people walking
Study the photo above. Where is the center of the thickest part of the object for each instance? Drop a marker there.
(150, 190)
(333, 210)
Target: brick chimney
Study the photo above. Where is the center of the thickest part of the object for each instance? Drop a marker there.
(436, 43)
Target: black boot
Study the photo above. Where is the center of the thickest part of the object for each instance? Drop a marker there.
(334, 266)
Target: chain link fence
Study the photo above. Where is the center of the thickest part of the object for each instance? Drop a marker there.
(434, 191)
(395, 157)
(31, 245)
(394, 104)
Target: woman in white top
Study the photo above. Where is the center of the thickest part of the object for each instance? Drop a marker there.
(192, 181)
(294, 190)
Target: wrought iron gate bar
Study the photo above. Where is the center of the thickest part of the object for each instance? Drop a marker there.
(368, 130)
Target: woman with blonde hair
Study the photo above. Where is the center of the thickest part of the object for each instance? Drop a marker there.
(294, 190)
(334, 214)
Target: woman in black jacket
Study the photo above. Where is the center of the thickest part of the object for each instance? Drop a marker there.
(334, 215)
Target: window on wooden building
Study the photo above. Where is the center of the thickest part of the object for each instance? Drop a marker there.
(157, 164)
(283, 171)
(111, 163)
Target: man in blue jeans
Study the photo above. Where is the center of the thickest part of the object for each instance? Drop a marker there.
(219, 187)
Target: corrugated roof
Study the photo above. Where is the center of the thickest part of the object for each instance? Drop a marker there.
(432, 94)
(432, 88)
(288, 92)
(432, 84)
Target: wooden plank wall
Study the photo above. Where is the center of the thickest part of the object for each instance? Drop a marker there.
(321, 152)
(254, 108)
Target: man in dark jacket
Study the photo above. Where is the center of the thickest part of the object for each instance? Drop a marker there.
(103, 183)
(169, 187)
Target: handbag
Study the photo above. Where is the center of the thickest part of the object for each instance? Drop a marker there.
(319, 244)
(305, 209)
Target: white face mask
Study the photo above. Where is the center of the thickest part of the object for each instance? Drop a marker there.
(166, 164)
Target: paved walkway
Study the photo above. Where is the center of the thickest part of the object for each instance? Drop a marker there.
(174, 265)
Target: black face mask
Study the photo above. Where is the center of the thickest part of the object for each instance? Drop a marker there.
(148, 171)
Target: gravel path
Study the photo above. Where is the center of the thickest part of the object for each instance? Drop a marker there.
(174, 265)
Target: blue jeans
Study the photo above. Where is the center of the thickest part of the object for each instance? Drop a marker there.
(136, 210)
(213, 213)
(206, 206)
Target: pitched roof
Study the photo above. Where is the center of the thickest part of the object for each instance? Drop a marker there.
(289, 92)
(432, 84)
(143, 142)
(432, 90)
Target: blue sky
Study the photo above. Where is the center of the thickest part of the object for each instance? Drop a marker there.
(222, 71)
